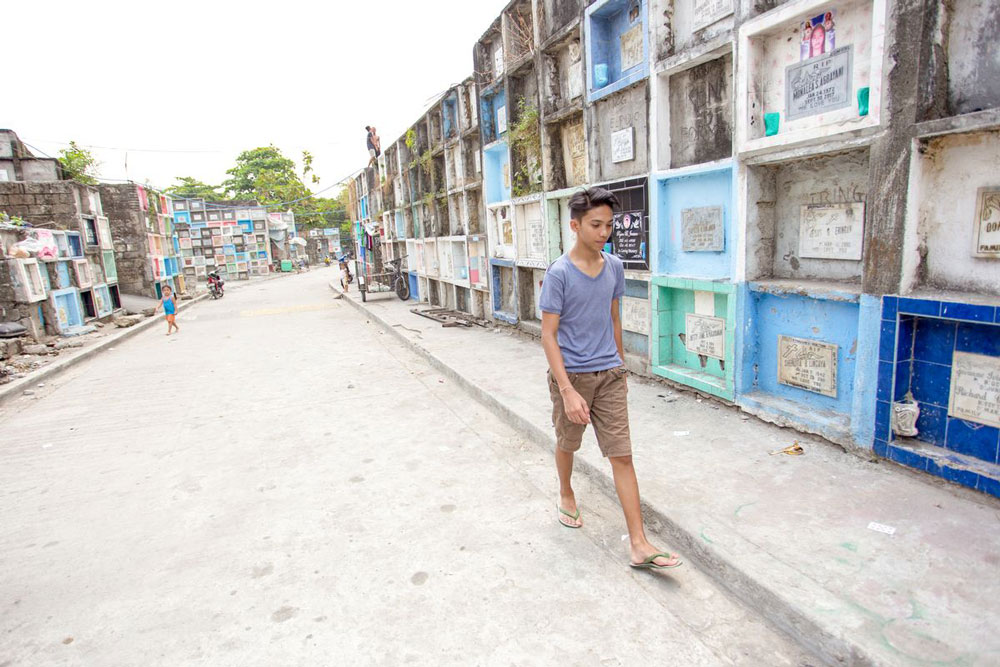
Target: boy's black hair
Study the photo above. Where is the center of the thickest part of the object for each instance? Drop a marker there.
(368, 127)
(589, 199)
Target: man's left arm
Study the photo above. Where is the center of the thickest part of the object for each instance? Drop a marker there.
(616, 321)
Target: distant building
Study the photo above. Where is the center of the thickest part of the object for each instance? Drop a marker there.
(60, 272)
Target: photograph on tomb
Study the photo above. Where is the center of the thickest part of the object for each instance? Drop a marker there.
(629, 236)
(817, 36)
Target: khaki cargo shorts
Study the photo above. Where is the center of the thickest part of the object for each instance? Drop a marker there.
(606, 394)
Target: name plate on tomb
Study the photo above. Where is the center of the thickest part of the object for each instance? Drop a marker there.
(635, 314)
(622, 146)
(975, 388)
(808, 364)
(705, 335)
(702, 230)
(986, 232)
(819, 84)
(631, 47)
(707, 12)
(832, 231)
(536, 239)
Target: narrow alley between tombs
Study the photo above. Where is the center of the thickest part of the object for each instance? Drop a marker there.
(283, 483)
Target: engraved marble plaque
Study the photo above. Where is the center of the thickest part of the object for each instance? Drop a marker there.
(702, 229)
(622, 146)
(819, 84)
(574, 143)
(498, 61)
(705, 335)
(707, 12)
(975, 388)
(831, 231)
(631, 47)
(635, 314)
(536, 235)
(808, 364)
(501, 120)
(986, 229)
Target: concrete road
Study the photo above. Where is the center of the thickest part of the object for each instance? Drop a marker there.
(281, 484)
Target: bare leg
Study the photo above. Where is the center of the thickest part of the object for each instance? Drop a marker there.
(567, 500)
(628, 494)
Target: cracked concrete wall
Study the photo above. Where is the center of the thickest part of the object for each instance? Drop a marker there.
(701, 114)
(128, 228)
(838, 179)
(889, 157)
(952, 168)
(973, 56)
(628, 108)
(562, 69)
(675, 28)
(556, 15)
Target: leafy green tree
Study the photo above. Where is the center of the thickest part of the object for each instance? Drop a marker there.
(266, 175)
(192, 188)
(307, 167)
(79, 164)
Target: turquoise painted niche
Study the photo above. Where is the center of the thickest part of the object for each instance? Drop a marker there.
(695, 236)
(693, 331)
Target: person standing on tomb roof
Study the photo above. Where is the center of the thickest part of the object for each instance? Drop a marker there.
(374, 146)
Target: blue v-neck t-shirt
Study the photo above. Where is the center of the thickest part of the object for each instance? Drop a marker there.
(583, 304)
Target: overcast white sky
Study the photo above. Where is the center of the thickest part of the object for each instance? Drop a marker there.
(208, 79)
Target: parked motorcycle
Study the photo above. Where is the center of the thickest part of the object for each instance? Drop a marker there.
(216, 285)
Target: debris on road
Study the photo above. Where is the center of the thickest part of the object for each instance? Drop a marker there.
(450, 318)
(125, 321)
(882, 528)
(794, 449)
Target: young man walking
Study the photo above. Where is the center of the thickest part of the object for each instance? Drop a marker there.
(582, 338)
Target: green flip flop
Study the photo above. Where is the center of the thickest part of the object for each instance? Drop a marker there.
(648, 563)
(572, 516)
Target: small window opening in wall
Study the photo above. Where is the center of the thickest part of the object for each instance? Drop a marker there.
(90, 231)
(88, 304)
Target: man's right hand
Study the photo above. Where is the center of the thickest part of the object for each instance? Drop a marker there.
(576, 408)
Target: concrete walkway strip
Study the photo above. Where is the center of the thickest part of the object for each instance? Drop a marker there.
(16, 388)
(790, 536)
